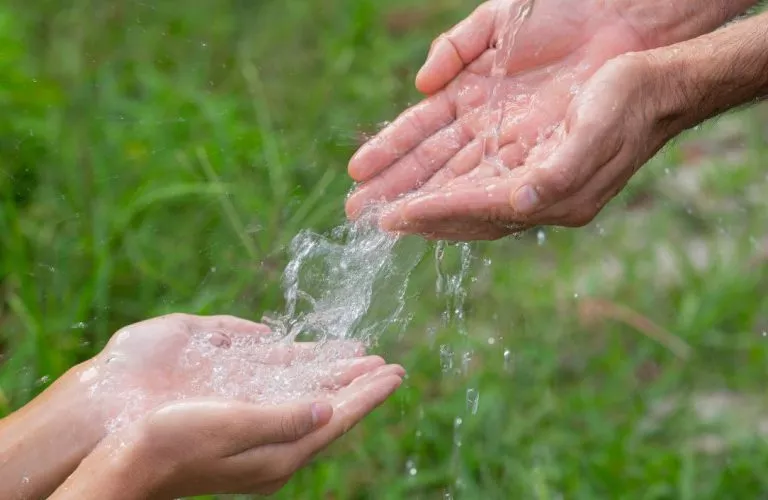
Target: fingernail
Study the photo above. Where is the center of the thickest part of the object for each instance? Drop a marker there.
(321, 413)
(526, 200)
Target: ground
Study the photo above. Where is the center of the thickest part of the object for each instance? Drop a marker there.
(157, 158)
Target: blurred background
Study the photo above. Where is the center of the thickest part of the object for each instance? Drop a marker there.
(159, 156)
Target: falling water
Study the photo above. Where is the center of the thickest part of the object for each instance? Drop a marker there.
(332, 281)
(454, 265)
(518, 14)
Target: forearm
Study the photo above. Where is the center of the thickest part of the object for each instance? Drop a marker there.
(711, 74)
(664, 22)
(43, 442)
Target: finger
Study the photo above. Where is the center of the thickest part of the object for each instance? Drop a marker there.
(463, 232)
(406, 132)
(285, 423)
(414, 169)
(350, 413)
(332, 349)
(469, 158)
(231, 426)
(453, 51)
(345, 372)
(462, 162)
(282, 353)
(231, 324)
(486, 201)
(359, 399)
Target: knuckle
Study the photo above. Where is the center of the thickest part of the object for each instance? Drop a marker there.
(290, 425)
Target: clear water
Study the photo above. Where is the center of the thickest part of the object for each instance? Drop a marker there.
(332, 280)
(518, 14)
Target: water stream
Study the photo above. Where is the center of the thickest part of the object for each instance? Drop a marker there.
(519, 12)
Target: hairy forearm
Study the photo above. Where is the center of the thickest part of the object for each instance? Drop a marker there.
(664, 22)
(711, 74)
(43, 442)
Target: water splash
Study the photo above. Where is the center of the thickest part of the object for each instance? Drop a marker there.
(332, 281)
(240, 367)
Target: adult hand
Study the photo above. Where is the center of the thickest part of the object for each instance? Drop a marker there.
(181, 356)
(436, 147)
(238, 447)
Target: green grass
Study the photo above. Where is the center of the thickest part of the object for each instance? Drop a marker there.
(158, 158)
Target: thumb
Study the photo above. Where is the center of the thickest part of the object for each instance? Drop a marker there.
(287, 423)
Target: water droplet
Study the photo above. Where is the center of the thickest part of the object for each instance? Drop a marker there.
(410, 467)
(765, 334)
(508, 360)
(541, 237)
(43, 380)
(473, 400)
(79, 326)
(457, 432)
(446, 358)
(466, 361)
(491, 340)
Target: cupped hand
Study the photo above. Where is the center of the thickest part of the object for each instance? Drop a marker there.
(620, 119)
(180, 356)
(437, 147)
(205, 446)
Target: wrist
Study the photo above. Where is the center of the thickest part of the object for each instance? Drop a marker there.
(121, 467)
(660, 22)
(43, 442)
(711, 74)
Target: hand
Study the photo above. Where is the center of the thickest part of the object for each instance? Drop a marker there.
(614, 126)
(442, 138)
(181, 356)
(246, 448)
(437, 146)
(154, 362)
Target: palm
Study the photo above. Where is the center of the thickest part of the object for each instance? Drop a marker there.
(180, 357)
(438, 146)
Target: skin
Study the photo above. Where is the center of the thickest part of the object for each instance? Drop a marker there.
(247, 449)
(558, 97)
(147, 366)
